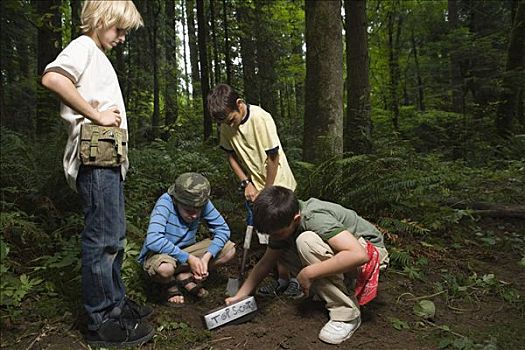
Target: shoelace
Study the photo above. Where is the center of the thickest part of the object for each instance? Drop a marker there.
(293, 289)
(132, 306)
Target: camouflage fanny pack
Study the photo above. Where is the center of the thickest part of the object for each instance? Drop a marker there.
(102, 146)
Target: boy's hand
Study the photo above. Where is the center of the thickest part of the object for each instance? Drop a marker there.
(234, 299)
(197, 267)
(250, 193)
(205, 262)
(109, 117)
(305, 281)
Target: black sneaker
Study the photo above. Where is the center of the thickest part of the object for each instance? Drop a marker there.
(131, 310)
(120, 332)
(271, 289)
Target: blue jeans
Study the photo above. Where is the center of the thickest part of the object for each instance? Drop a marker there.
(102, 195)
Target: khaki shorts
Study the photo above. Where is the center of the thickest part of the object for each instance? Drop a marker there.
(152, 262)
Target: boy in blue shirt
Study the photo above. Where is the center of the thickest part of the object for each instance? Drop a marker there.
(170, 254)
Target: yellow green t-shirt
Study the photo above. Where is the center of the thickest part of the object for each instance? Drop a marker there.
(254, 139)
(328, 219)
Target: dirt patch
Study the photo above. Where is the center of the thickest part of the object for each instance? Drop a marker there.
(477, 289)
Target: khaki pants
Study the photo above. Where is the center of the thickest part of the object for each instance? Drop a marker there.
(152, 263)
(340, 300)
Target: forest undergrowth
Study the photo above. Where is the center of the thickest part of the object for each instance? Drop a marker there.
(417, 187)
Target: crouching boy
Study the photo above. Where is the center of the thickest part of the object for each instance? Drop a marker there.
(328, 247)
(170, 254)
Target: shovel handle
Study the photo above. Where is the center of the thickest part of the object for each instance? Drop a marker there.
(249, 210)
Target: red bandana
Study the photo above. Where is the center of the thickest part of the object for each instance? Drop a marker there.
(366, 285)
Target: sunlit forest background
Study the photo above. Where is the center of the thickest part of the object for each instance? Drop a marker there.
(408, 111)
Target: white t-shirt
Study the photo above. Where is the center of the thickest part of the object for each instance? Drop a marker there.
(88, 67)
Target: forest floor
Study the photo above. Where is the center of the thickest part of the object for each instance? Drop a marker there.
(474, 276)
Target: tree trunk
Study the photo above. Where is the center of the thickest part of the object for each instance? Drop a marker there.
(49, 46)
(216, 63)
(76, 7)
(489, 209)
(420, 90)
(153, 12)
(184, 37)
(357, 133)
(194, 49)
(203, 56)
(227, 60)
(246, 20)
(171, 90)
(266, 61)
(323, 120)
(393, 62)
(514, 77)
(456, 81)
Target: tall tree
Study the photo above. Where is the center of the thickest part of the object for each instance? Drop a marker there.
(203, 58)
(227, 61)
(153, 12)
(266, 60)
(49, 46)
(514, 77)
(216, 63)
(420, 89)
(323, 119)
(75, 18)
(357, 133)
(394, 22)
(456, 81)
(171, 89)
(185, 54)
(246, 20)
(194, 49)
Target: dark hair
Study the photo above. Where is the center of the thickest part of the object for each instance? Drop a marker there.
(274, 209)
(222, 100)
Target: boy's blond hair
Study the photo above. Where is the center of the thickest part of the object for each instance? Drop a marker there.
(105, 14)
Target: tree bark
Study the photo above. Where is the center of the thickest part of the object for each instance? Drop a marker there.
(203, 56)
(489, 209)
(420, 90)
(227, 60)
(393, 61)
(456, 81)
(48, 47)
(171, 89)
(76, 7)
(153, 8)
(184, 37)
(323, 120)
(216, 62)
(246, 20)
(194, 49)
(357, 133)
(514, 77)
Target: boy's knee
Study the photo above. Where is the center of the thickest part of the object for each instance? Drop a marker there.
(165, 271)
(226, 255)
(306, 240)
(311, 247)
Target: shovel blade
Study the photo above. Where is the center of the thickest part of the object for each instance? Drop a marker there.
(232, 287)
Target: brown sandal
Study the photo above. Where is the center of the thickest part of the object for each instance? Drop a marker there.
(196, 291)
(172, 290)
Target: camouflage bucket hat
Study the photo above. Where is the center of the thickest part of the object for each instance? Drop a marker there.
(190, 189)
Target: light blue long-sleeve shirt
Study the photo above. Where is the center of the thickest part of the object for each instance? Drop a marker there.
(168, 233)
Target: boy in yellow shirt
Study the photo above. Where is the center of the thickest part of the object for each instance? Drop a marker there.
(249, 135)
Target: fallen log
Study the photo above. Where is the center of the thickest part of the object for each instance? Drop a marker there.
(495, 210)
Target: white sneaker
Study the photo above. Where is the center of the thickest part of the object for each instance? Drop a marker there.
(336, 332)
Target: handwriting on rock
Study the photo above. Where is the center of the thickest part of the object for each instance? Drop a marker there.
(229, 313)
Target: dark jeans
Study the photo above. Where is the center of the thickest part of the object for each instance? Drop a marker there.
(102, 195)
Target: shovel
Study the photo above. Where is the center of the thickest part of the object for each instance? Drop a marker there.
(233, 283)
